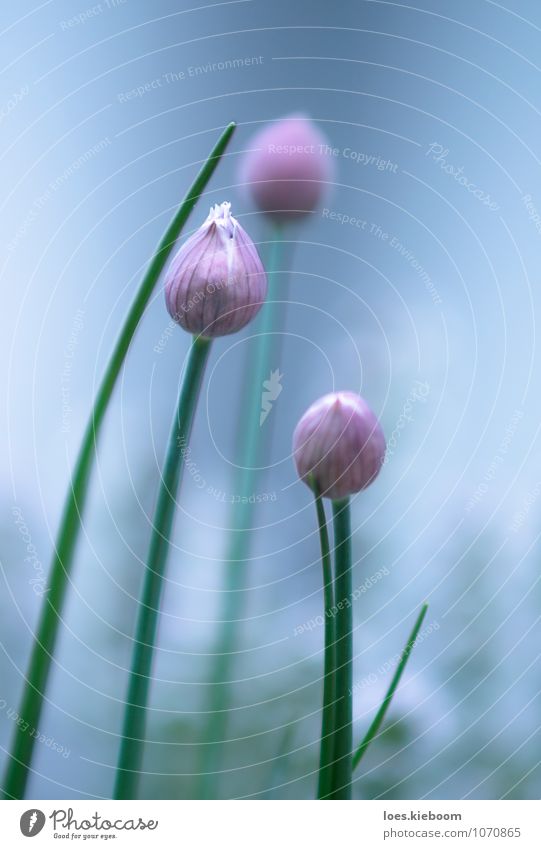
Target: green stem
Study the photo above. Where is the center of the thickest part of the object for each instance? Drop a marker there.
(380, 716)
(343, 741)
(133, 732)
(245, 481)
(327, 721)
(51, 613)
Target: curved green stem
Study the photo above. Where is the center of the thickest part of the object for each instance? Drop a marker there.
(133, 732)
(251, 437)
(47, 630)
(343, 741)
(327, 721)
(380, 716)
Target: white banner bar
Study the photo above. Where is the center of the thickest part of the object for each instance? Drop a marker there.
(273, 825)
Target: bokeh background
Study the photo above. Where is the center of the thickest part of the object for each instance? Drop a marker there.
(438, 290)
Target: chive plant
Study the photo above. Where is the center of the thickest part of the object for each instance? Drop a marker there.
(251, 444)
(339, 449)
(215, 286)
(285, 172)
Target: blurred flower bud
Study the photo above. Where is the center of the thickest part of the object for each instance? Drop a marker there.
(288, 168)
(338, 445)
(216, 283)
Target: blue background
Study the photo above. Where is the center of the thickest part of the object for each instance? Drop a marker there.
(89, 181)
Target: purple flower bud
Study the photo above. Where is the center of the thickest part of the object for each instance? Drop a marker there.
(216, 283)
(288, 167)
(338, 445)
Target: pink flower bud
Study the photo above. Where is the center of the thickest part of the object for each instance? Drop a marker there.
(338, 445)
(216, 283)
(288, 167)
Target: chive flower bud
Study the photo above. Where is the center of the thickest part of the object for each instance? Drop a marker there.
(288, 167)
(338, 445)
(216, 283)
